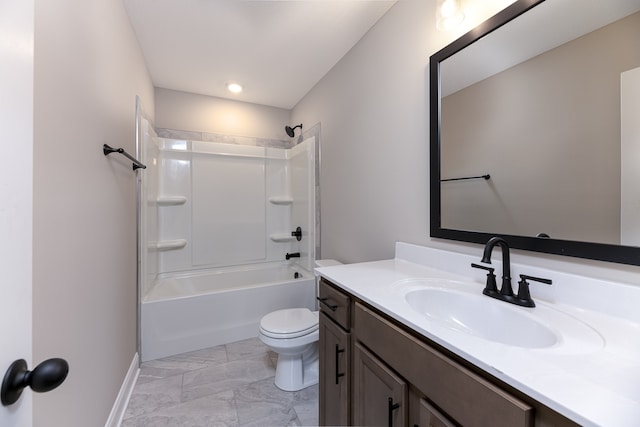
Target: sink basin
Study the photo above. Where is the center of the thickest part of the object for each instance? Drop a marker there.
(482, 317)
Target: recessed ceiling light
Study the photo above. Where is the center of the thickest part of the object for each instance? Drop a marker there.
(234, 87)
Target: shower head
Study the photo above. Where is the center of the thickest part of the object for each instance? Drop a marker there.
(291, 130)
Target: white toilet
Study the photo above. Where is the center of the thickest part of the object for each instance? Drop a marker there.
(293, 334)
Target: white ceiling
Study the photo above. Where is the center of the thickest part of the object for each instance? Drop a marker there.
(278, 50)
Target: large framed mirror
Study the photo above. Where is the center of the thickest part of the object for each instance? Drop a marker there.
(535, 130)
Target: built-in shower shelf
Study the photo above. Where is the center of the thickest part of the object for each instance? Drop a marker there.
(171, 200)
(281, 237)
(281, 200)
(168, 245)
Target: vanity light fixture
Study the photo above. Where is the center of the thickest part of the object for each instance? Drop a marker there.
(449, 14)
(234, 87)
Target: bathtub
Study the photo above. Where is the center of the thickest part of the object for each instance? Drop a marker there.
(190, 311)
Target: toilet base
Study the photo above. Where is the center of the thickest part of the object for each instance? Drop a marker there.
(296, 372)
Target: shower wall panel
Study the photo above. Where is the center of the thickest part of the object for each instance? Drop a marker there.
(228, 217)
(278, 215)
(223, 205)
(174, 218)
(302, 165)
(148, 152)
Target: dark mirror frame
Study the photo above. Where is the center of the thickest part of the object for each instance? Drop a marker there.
(596, 251)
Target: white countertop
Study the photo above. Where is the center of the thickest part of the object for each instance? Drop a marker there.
(592, 377)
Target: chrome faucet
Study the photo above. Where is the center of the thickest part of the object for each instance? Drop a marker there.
(506, 291)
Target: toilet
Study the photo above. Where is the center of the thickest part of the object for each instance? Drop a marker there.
(293, 334)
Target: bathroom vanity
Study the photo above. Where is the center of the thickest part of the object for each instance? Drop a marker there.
(398, 376)
(388, 357)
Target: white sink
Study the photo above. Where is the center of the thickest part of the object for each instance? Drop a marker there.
(461, 307)
(479, 316)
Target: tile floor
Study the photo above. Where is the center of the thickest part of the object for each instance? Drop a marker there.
(228, 385)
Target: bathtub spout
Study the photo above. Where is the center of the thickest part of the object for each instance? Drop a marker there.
(293, 255)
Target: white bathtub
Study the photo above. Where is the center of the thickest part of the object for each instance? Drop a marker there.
(191, 311)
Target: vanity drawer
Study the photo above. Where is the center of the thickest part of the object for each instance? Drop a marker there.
(335, 304)
(464, 396)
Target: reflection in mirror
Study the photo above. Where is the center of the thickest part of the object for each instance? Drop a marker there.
(545, 106)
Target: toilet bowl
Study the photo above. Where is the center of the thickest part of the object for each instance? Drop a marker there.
(293, 334)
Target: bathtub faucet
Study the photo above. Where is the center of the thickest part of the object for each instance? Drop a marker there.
(293, 255)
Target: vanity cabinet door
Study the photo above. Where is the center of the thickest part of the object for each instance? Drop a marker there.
(334, 373)
(380, 396)
(431, 417)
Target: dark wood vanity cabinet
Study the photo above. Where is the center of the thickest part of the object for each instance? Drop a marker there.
(380, 396)
(388, 375)
(451, 391)
(335, 356)
(429, 416)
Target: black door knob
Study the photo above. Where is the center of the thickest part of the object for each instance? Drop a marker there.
(45, 377)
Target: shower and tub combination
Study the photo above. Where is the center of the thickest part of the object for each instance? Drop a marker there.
(226, 236)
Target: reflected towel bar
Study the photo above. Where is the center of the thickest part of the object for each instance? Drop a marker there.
(108, 150)
(487, 176)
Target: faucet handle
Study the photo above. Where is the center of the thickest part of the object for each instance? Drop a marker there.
(536, 279)
(483, 267)
(524, 297)
(491, 287)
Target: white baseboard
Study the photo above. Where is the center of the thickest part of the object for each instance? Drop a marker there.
(122, 400)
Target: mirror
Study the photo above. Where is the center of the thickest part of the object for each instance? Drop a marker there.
(533, 133)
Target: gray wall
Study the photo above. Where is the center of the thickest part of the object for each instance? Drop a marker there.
(201, 113)
(88, 71)
(558, 136)
(373, 106)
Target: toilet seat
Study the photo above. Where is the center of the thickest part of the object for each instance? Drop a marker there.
(289, 323)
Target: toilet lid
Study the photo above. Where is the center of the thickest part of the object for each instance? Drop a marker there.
(289, 323)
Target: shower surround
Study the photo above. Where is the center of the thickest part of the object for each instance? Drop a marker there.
(216, 223)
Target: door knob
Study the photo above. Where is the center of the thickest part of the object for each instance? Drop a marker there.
(45, 377)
